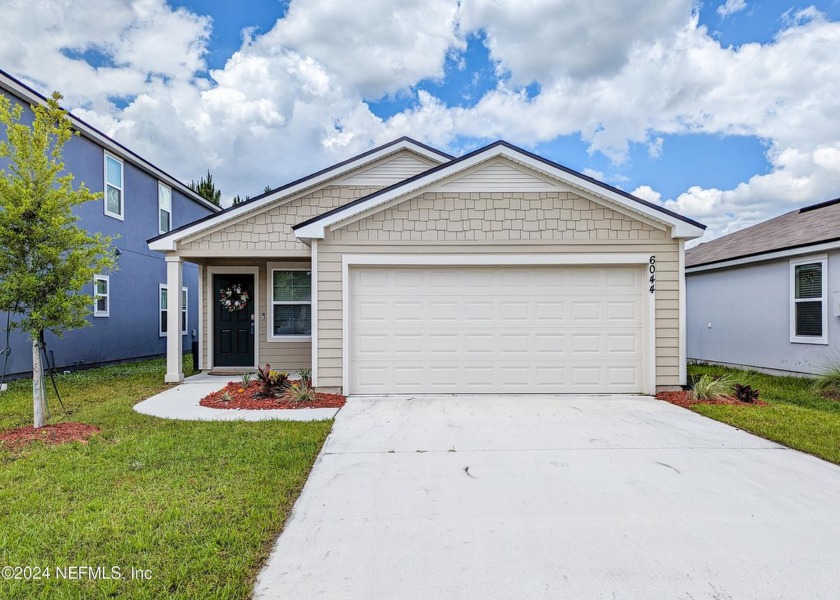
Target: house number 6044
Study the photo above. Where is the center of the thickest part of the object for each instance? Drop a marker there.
(652, 269)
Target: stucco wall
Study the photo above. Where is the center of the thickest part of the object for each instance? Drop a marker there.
(131, 330)
(496, 223)
(748, 309)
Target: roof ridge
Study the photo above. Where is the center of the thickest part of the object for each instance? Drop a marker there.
(305, 178)
(478, 151)
(132, 155)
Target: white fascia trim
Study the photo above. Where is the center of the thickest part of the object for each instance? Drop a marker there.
(679, 228)
(169, 242)
(108, 143)
(606, 258)
(736, 262)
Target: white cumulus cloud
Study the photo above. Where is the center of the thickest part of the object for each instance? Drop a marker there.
(295, 99)
(730, 7)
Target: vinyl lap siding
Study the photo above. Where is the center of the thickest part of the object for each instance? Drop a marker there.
(401, 167)
(496, 223)
(496, 176)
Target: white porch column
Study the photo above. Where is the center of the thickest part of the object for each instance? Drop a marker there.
(174, 341)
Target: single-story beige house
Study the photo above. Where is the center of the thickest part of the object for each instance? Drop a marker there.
(406, 271)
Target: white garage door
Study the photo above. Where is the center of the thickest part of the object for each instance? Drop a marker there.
(496, 329)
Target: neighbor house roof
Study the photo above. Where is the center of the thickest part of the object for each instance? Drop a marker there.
(815, 224)
(682, 226)
(27, 94)
(167, 240)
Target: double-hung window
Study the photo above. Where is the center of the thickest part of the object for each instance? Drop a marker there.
(164, 306)
(164, 208)
(291, 304)
(101, 296)
(808, 301)
(114, 201)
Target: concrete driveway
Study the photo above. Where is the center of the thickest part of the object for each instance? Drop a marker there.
(555, 497)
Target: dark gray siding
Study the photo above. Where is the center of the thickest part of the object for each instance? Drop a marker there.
(131, 330)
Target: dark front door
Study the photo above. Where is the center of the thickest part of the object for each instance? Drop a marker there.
(233, 328)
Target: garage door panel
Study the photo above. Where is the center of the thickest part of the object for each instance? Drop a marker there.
(485, 329)
(587, 311)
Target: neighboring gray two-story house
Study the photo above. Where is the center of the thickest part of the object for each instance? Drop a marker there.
(768, 296)
(129, 306)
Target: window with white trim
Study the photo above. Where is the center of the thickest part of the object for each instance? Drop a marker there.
(164, 208)
(114, 201)
(809, 302)
(163, 324)
(101, 296)
(291, 303)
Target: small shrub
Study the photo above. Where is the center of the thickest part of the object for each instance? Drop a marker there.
(301, 392)
(305, 377)
(246, 380)
(827, 383)
(272, 383)
(226, 396)
(745, 393)
(708, 387)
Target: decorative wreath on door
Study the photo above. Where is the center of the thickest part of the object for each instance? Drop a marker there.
(234, 298)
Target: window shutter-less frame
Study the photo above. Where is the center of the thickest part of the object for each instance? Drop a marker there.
(808, 310)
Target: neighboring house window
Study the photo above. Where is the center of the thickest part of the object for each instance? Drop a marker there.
(809, 306)
(291, 303)
(164, 305)
(114, 201)
(164, 208)
(101, 296)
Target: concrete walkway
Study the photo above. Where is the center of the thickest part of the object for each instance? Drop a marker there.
(182, 402)
(555, 497)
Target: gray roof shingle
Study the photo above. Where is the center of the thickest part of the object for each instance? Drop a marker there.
(810, 225)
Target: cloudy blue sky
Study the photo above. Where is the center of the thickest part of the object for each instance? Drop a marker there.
(725, 110)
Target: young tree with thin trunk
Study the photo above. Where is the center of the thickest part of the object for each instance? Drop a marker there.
(45, 258)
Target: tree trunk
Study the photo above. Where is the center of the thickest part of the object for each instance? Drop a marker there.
(39, 399)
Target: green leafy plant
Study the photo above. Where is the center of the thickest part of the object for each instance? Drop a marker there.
(246, 380)
(305, 377)
(301, 392)
(707, 387)
(745, 393)
(272, 383)
(827, 383)
(226, 396)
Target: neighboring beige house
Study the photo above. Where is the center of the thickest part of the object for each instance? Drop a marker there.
(405, 270)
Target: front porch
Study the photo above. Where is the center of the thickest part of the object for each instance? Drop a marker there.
(252, 310)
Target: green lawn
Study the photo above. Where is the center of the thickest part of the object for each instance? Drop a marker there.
(196, 504)
(797, 417)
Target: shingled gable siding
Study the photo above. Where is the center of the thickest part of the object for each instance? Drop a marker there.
(272, 229)
(475, 223)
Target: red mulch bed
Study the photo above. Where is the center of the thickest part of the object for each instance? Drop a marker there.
(61, 433)
(685, 400)
(244, 398)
